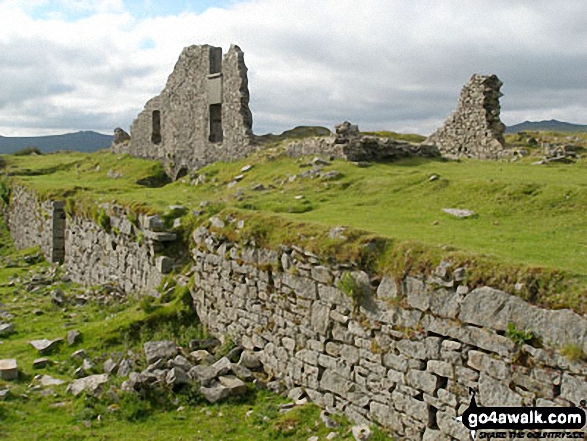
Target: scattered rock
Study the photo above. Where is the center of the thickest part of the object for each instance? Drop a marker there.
(40, 363)
(458, 212)
(176, 376)
(6, 329)
(45, 346)
(203, 374)
(216, 222)
(181, 362)
(207, 344)
(250, 360)
(246, 168)
(57, 297)
(8, 369)
(215, 393)
(109, 366)
(124, 368)
(233, 384)
(202, 356)
(155, 350)
(80, 354)
(47, 380)
(328, 422)
(362, 433)
(91, 384)
(222, 367)
(4, 393)
(73, 337)
(434, 178)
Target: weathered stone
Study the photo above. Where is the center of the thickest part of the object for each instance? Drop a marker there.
(233, 384)
(202, 356)
(155, 350)
(8, 369)
(109, 366)
(494, 393)
(203, 374)
(320, 317)
(222, 367)
(250, 360)
(361, 433)
(215, 393)
(91, 384)
(422, 380)
(160, 236)
(164, 264)
(574, 388)
(73, 336)
(176, 377)
(45, 346)
(6, 329)
(40, 363)
(47, 380)
(387, 289)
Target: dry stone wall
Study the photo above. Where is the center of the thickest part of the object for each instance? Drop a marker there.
(406, 358)
(33, 222)
(129, 256)
(201, 116)
(474, 130)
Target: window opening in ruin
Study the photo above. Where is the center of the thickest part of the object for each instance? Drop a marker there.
(215, 60)
(156, 133)
(216, 134)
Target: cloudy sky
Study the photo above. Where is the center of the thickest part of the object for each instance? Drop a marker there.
(68, 65)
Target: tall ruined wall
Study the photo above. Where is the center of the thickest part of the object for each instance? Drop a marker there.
(36, 223)
(406, 359)
(129, 256)
(474, 129)
(201, 116)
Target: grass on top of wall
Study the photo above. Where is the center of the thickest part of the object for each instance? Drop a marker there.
(529, 219)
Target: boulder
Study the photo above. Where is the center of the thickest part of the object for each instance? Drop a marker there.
(202, 356)
(40, 363)
(203, 374)
(45, 346)
(73, 337)
(234, 385)
(156, 350)
(222, 367)
(8, 369)
(250, 360)
(91, 384)
(215, 393)
(176, 376)
(47, 380)
(6, 329)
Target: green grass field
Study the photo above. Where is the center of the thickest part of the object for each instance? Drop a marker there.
(528, 217)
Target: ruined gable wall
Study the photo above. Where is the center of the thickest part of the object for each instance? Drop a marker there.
(474, 129)
(201, 77)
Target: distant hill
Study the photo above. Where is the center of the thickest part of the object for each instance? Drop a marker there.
(552, 125)
(78, 141)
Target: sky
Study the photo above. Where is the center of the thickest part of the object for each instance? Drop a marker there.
(69, 65)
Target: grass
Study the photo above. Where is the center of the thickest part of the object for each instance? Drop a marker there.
(529, 226)
(53, 414)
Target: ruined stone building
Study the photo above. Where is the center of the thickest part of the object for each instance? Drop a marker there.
(201, 116)
(474, 129)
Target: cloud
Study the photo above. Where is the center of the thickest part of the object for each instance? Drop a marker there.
(383, 64)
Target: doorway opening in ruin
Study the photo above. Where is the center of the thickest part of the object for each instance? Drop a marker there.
(156, 132)
(216, 134)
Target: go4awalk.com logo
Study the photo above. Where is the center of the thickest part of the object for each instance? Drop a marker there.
(524, 422)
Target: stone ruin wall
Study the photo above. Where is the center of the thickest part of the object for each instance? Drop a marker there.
(474, 130)
(90, 255)
(405, 359)
(33, 223)
(201, 116)
(349, 144)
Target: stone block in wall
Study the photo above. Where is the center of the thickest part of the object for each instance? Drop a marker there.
(483, 362)
(332, 381)
(387, 289)
(387, 416)
(410, 406)
(495, 309)
(303, 287)
(495, 393)
(574, 388)
(422, 380)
